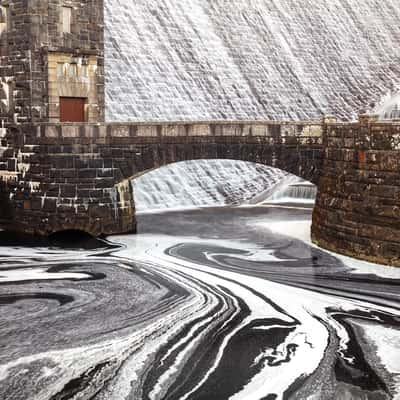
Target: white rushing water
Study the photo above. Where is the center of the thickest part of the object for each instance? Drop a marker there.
(295, 190)
(199, 183)
(389, 107)
(248, 59)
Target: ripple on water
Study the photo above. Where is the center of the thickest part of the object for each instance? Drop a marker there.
(201, 304)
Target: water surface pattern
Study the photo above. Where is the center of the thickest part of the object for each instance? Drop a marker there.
(215, 303)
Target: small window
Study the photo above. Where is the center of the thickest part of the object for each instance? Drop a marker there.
(4, 19)
(73, 70)
(66, 19)
(60, 70)
(6, 96)
(84, 71)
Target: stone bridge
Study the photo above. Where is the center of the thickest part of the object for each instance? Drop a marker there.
(56, 177)
(72, 176)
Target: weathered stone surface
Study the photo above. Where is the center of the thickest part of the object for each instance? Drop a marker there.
(195, 60)
(358, 204)
(34, 47)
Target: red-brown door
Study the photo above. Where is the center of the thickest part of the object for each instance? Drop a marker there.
(72, 109)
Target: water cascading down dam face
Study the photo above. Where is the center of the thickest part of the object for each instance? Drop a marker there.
(389, 107)
(208, 303)
(196, 60)
(205, 183)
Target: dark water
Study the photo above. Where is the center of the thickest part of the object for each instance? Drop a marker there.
(220, 303)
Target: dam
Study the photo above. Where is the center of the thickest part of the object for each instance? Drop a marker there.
(296, 60)
(199, 200)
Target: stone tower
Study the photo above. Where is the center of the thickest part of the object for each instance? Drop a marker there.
(52, 61)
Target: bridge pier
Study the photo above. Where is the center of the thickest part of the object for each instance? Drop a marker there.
(112, 213)
(33, 213)
(53, 179)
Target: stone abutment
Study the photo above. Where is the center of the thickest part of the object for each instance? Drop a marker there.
(357, 211)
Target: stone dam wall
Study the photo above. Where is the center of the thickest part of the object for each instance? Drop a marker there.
(197, 60)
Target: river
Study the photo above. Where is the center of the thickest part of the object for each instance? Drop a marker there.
(209, 303)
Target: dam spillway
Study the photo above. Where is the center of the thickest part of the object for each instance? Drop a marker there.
(217, 302)
(248, 60)
(204, 183)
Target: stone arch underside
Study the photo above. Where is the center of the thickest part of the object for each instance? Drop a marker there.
(304, 161)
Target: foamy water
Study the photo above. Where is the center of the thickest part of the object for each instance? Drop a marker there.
(208, 303)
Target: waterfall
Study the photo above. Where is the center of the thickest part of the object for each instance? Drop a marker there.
(204, 183)
(389, 107)
(294, 190)
(196, 60)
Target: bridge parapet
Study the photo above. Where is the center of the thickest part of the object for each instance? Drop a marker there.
(179, 129)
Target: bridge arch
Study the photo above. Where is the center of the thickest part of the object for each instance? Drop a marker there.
(303, 159)
(78, 177)
(207, 182)
(72, 176)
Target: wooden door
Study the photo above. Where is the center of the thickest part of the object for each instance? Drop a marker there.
(72, 109)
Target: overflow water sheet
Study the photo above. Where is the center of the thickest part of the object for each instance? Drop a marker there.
(199, 60)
